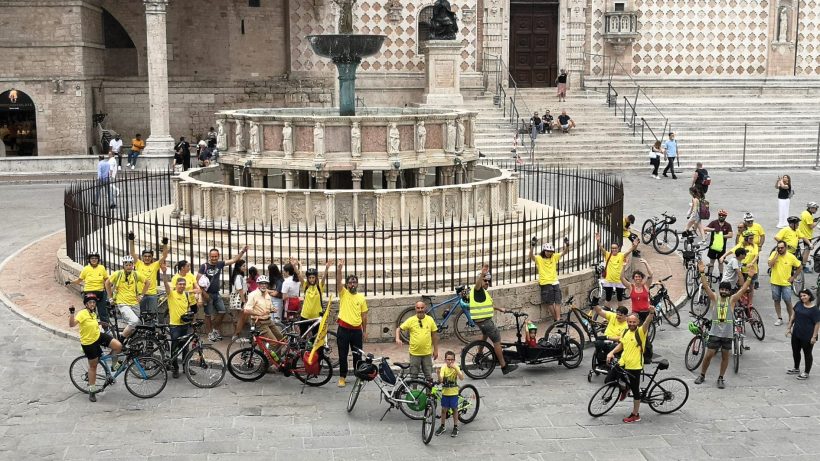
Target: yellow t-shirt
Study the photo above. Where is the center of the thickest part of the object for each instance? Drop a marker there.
(756, 229)
(126, 288)
(190, 281)
(94, 277)
(177, 306)
(751, 253)
(782, 269)
(351, 307)
(804, 230)
(632, 356)
(547, 269)
(89, 327)
(149, 272)
(312, 305)
(627, 233)
(614, 267)
(421, 336)
(614, 328)
(450, 375)
(789, 236)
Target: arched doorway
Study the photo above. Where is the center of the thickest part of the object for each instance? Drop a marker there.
(18, 124)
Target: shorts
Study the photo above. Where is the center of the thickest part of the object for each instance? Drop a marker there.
(422, 363)
(717, 343)
(619, 293)
(449, 401)
(148, 305)
(780, 293)
(130, 314)
(489, 330)
(712, 254)
(94, 350)
(215, 304)
(551, 294)
(642, 316)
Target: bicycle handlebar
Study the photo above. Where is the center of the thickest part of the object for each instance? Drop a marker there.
(569, 301)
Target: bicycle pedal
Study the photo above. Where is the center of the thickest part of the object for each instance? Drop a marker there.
(746, 348)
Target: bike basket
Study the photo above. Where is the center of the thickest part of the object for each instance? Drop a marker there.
(554, 339)
(312, 369)
(688, 255)
(366, 371)
(670, 220)
(386, 373)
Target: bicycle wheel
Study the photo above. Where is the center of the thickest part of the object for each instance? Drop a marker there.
(468, 403)
(240, 342)
(694, 353)
(692, 280)
(428, 424)
(204, 366)
(670, 312)
(330, 350)
(478, 359)
(408, 313)
(756, 323)
(595, 292)
(668, 395)
(571, 329)
(815, 259)
(666, 242)
(465, 333)
(354, 394)
(798, 283)
(573, 354)
(699, 304)
(315, 380)
(647, 233)
(411, 397)
(147, 346)
(142, 383)
(78, 372)
(248, 364)
(650, 333)
(736, 353)
(604, 399)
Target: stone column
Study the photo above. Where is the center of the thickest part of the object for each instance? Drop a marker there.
(425, 205)
(238, 177)
(459, 174)
(185, 208)
(421, 176)
(175, 189)
(470, 171)
(225, 213)
(239, 206)
(227, 174)
(494, 201)
(357, 179)
(207, 210)
(392, 176)
(159, 143)
(466, 206)
(289, 177)
(446, 175)
(330, 200)
(321, 179)
(258, 177)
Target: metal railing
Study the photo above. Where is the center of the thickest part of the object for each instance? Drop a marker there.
(768, 144)
(503, 78)
(389, 258)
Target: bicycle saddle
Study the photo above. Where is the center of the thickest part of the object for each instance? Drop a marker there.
(402, 365)
(663, 364)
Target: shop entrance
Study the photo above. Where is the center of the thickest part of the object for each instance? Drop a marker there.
(18, 124)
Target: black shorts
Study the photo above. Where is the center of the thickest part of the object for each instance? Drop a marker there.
(716, 343)
(619, 293)
(94, 351)
(712, 254)
(551, 294)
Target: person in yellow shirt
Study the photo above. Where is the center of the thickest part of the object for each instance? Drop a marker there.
(93, 277)
(126, 288)
(750, 225)
(784, 266)
(178, 306)
(137, 145)
(313, 288)
(352, 321)
(749, 261)
(631, 346)
(547, 264)
(615, 327)
(806, 231)
(449, 375)
(148, 268)
(789, 235)
(628, 231)
(614, 263)
(191, 286)
(423, 341)
(91, 340)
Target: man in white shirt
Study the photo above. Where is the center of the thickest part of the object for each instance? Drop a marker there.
(114, 146)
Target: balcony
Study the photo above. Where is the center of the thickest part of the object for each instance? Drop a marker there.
(620, 29)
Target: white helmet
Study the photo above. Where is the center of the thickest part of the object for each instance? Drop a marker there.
(547, 247)
(811, 205)
(127, 260)
(748, 217)
(262, 279)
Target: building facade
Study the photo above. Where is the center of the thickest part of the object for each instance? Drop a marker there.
(162, 68)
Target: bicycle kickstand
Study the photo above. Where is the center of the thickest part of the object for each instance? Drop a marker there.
(386, 411)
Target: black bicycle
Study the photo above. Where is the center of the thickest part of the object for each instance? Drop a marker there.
(664, 307)
(584, 327)
(657, 232)
(664, 396)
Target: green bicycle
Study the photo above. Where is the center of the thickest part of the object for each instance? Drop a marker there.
(468, 403)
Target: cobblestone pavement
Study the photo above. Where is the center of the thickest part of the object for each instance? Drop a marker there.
(535, 413)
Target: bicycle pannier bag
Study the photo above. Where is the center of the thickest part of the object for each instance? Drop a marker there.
(387, 374)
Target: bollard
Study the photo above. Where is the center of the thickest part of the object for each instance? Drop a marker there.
(743, 160)
(817, 150)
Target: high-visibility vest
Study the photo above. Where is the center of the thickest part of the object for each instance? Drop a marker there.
(481, 310)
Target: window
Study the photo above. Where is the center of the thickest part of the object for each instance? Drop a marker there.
(619, 6)
(253, 3)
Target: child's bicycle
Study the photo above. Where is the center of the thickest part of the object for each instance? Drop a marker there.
(664, 396)
(145, 377)
(468, 404)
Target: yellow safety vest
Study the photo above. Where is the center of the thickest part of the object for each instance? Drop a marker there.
(481, 310)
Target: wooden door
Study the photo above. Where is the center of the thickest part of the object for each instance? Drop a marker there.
(534, 43)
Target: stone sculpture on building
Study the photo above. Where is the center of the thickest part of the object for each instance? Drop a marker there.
(451, 137)
(460, 135)
(221, 137)
(443, 25)
(394, 140)
(319, 140)
(239, 136)
(254, 138)
(345, 15)
(421, 136)
(287, 139)
(783, 24)
(355, 140)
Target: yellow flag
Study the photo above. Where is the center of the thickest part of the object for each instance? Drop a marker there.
(321, 336)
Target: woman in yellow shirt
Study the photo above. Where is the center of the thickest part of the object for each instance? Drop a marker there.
(614, 263)
(93, 277)
(91, 340)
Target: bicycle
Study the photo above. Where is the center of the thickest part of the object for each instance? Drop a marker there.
(251, 363)
(664, 308)
(589, 328)
(203, 365)
(408, 394)
(468, 404)
(657, 232)
(664, 396)
(699, 302)
(750, 315)
(465, 329)
(140, 372)
(738, 346)
(478, 359)
(695, 350)
(691, 254)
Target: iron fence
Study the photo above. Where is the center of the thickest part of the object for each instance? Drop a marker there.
(389, 258)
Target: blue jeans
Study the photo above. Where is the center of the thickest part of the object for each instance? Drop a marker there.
(132, 157)
(178, 331)
(103, 184)
(782, 293)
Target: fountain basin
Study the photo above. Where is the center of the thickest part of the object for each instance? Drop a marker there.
(345, 47)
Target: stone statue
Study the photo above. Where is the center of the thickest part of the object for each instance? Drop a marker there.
(443, 25)
(393, 148)
(460, 137)
(254, 137)
(239, 138)
(319, 140)
(345, 15)
(783, 25)
(287, 139)
(451, 137)
(221, 138)
(355, 140)
(421, 136)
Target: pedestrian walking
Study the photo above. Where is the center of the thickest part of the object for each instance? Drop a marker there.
(103, 182)
(670, 152)
(655, 152)
(183, 154)
(784, 197)
(694, 214)
(423, 334)
(803, 328)
(561, 82)
(112, 174)
(701, 180)
(137, 145)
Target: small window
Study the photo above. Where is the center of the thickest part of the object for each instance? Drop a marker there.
(253, 3)
(619, 6)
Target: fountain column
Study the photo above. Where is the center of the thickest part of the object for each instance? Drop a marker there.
(357, 179)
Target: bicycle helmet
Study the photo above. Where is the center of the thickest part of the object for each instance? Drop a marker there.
(694, 328)
(92, 254)
(262, 279)
(748, 217)
(531, 326)
(812, 205)
(547, 247)
(793, 220)
(747, 234)
(127, 260)
(366, 371)
(723, 213)
(187, 317)
(311, 271)
(90, 297)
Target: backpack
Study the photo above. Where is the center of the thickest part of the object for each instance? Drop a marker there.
(703, 210)
(646, 349)
(704, 177)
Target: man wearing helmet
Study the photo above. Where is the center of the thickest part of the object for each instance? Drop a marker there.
(352, 320)
(91, 340)
(723, 318)
(148, 269)
(127, 288)
(755, 228)
(260, 307)
(482, 310)
(93, 277)
(547, 264)
(615, 261)
(313, 288)
(748, 261)
(806, 230)
(789, 235)
(784, 266)
(720, 232)
(178, 305)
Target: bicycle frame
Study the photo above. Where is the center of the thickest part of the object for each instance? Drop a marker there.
(111, 375)
(455, 301)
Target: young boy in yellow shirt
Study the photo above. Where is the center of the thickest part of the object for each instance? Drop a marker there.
(449, 375)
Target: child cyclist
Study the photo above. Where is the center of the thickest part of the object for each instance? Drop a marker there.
(449, 375)
(91, 339)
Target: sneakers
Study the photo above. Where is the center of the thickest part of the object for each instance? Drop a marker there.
(700, 379)
(778, 322)
(632, 418)
(440, 430)
(92, 396)
(175, 374)
(803, 376)
(342, 382)
(214, 336)
(510, 367)
(455, 432)
(720, 383)
(673, 177)
(129, 166)
(792, 371)
(132, 167)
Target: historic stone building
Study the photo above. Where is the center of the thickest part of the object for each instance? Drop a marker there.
(164, 67)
